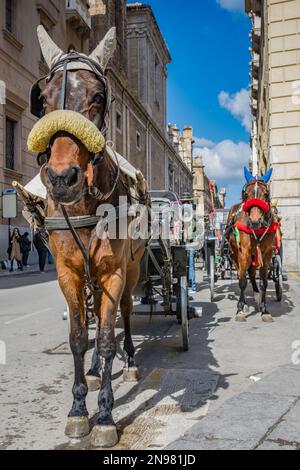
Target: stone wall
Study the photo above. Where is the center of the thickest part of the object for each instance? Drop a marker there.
(278, 112)
(21, 65)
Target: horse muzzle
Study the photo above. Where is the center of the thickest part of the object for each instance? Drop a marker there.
(64, 187)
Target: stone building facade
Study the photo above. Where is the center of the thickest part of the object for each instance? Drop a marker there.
(205, 191)
(275, 95)
(138, 76)
(21, 64)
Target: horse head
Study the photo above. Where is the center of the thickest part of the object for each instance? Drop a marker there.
(256, 197)
(75, 82)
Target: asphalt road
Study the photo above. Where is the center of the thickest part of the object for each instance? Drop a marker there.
(176, 389)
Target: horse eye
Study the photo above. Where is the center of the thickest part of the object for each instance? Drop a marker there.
(43, 99)
(98, 98)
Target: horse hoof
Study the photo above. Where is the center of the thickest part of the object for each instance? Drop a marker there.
(77, 427)
(131, 374)
(267, 318)
(93, 383)
(104, 436)
(241, 317)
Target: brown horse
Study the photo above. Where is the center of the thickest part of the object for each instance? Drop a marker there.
(252, 236)
(114, 264)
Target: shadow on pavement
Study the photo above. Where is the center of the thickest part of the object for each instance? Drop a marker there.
(277, 309)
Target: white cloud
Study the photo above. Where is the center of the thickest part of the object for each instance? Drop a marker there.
(203, 142)
(238, 105)
(224, 160)
(232, 5)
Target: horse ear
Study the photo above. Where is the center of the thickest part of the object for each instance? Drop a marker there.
(248, 175)
(266, 178)
(51, 52)
(105, 49)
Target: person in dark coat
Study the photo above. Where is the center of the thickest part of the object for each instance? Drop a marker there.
(26, 248)
(15, 250)
(39, 242)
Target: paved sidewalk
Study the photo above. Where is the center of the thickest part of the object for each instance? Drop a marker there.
(30, 270)
(265, 417)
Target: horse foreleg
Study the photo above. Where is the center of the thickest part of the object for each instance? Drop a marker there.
(265, 315)
(93, 376)
(242, 307)
(104, 434)
(77, 423)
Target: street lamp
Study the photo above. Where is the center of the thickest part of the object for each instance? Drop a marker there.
(9, 206)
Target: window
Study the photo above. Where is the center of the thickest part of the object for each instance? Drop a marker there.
(9, 15)
(138, 140)
(119, 121)
(10, 144)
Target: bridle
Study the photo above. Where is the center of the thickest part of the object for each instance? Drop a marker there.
(36, 103)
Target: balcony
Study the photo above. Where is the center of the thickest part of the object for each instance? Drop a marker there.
(253, 6)
(254, 89)
(78, 16)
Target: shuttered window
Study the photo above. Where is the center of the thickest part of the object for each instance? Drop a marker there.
(10, 144)
(9, 15)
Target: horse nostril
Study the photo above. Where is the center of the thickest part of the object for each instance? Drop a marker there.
(67, 178)
(51, 174)
(72, 177)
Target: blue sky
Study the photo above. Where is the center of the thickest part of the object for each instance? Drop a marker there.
(208, 81)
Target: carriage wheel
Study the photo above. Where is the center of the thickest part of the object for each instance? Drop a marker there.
(278, 278)
(212, 275)
(182, 311)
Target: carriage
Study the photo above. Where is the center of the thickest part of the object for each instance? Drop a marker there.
(163, 286)
(216, 250)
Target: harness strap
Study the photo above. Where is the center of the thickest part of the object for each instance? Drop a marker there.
(261, 231)
(60, 223)
(64, 86)
(89, 287)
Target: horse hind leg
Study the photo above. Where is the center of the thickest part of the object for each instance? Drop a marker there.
(242, 308)
(256, 291)
(130, 371)
(93, 376)
(265, 314)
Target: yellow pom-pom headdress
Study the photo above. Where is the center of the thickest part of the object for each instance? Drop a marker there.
(68, 121)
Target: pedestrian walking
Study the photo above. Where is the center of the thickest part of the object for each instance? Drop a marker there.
(26, 248)
(15, 250)
(39, 242)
